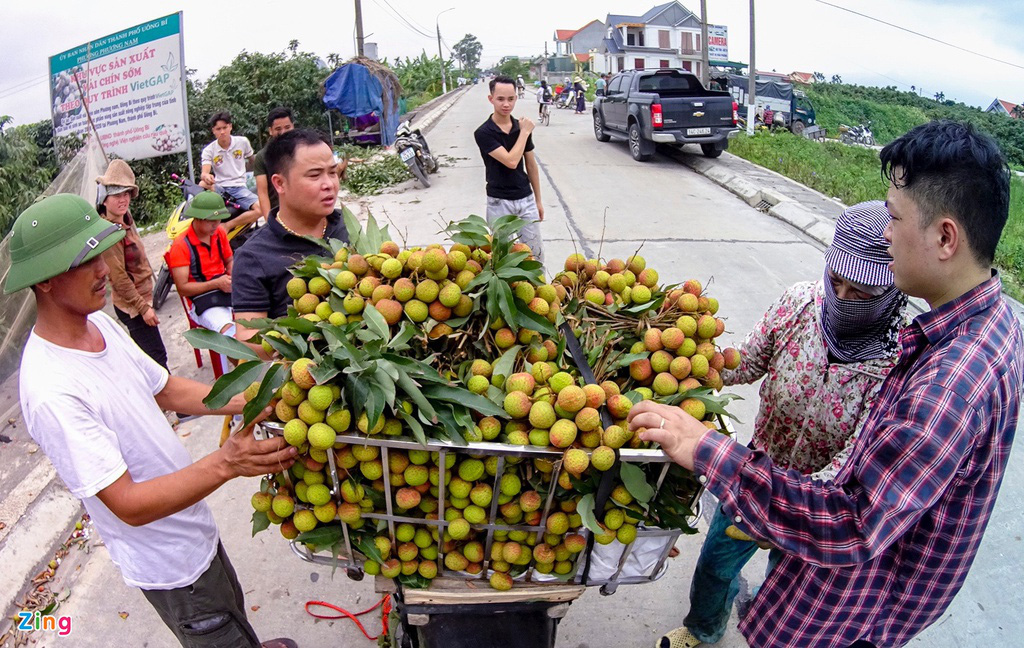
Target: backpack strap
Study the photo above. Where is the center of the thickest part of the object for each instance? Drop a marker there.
(194, 267)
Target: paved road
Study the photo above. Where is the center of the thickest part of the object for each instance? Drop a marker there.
(598, 200)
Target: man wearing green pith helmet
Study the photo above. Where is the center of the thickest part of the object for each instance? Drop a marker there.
(93, 401)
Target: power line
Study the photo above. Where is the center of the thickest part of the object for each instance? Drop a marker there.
(916, 33)
(401, 19)
(10, 92)
(22, 84)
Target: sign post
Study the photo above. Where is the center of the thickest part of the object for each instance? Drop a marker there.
(133, 83)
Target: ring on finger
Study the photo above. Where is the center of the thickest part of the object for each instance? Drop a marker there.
(662, 424)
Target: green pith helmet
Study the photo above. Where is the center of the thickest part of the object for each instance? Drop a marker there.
(53, 236)
(207, 206)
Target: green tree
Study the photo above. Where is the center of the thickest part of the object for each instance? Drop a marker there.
(940, 96)
(468, 51)
(27, 166)
(1018, 111)
(513, 66)
(837, 79)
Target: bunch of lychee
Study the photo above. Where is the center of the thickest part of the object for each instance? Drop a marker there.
(423, 285)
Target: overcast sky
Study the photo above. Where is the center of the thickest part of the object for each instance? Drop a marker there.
(792, 35)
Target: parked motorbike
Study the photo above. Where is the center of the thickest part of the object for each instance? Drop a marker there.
(413, 150)
(177, 225)
(857, 135)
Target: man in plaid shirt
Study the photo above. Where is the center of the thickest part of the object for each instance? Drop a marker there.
(877, 555)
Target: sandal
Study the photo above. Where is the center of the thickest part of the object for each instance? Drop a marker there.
(678, 638)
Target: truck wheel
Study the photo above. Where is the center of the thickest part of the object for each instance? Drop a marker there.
(710, 150)
(797, 127)
(638, 148)
(599, 128)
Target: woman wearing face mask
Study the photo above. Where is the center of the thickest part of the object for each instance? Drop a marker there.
(131, 275)
(823, 348)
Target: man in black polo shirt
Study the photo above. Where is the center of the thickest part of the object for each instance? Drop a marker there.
(302, 167)
(507, 147)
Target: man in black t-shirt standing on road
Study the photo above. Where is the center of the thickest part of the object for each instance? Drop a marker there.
(513, 178)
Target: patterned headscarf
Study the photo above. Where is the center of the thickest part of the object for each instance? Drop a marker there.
(857, 330)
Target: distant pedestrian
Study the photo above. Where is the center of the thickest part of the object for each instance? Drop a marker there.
(513, 178)
(601, 84)
(580, 88)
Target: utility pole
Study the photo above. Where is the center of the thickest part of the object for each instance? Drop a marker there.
(440, 54)
(705, 73)
(752, 85)
(359, 28)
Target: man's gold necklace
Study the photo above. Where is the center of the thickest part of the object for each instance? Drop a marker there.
(293, 232)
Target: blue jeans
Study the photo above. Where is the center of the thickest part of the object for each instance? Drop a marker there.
(716, 580)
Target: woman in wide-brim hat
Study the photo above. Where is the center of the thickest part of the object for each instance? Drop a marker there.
(131, 275)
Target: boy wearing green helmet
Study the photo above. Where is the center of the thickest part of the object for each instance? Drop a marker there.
(99, 420)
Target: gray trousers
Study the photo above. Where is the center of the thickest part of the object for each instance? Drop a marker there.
(209, 613)
(525, 208)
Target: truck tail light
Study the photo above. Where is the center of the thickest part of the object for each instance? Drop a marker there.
(735, 113)
(657, 119)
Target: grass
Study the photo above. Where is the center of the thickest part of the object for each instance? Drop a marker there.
(852, 174)
(849, 173)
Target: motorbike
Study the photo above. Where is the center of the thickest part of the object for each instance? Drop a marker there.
(566, 98)
(177, 225)
(857, 135)
(413, 150)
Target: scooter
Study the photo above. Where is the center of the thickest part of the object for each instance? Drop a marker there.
(413, 150)
(177, 225)
(857, 135)
(566, 98)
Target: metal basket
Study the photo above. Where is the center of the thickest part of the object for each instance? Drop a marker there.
(349, 558)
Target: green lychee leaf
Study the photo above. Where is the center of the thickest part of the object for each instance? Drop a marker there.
(233, 383)
(287, 350)
(585, 507)
(218, 342)
(272, 381)
(636, 482)
(414, 426)
(376, 323)
(505, 364)
(322, 536)
(414, 581)
(528, 319)
(464, 397)
(260, 522)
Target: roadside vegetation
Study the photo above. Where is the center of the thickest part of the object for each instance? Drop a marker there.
(852, 174)
(893, 112)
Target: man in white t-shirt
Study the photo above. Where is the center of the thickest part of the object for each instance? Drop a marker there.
(93, 402)
(224, 164)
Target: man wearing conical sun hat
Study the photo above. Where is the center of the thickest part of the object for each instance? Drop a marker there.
(93, 402)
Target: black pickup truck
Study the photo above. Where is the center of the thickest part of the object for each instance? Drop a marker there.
(664, 106)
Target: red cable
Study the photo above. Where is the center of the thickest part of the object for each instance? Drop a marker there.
(346, 614)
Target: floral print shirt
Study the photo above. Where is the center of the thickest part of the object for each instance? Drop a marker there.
(811, 408)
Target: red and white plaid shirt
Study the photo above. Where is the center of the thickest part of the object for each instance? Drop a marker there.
(879, 553)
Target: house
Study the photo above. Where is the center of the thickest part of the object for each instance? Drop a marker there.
(574, 48)
(1005, 108)
(668, 35)
(805, 78)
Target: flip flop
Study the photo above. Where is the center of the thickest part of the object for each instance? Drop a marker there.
(678, 638)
